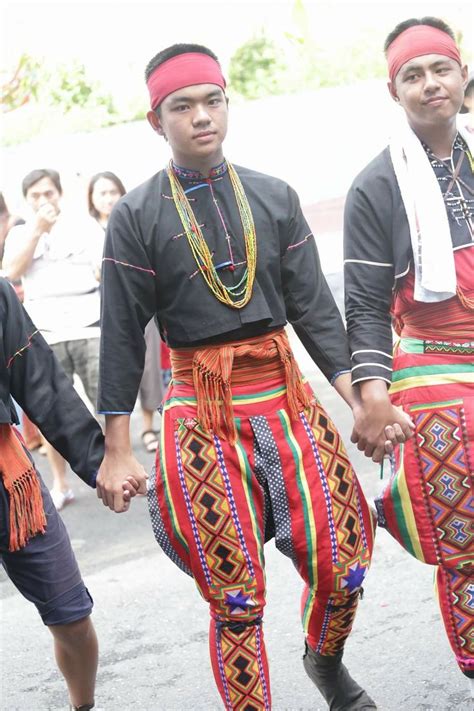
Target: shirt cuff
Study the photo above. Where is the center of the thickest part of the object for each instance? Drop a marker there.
(337, 374)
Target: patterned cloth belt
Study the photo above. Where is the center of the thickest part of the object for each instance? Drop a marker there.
(445, 320)
(214, 369)
(27, 517)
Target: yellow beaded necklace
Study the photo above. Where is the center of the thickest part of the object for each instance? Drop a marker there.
(228, 295)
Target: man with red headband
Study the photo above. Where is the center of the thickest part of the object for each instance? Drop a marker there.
(409, 262)
(222, 257)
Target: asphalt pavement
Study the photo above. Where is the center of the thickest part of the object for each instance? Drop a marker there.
(152, 623)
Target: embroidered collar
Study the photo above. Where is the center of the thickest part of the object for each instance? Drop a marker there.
(459, 144)
(189, 174)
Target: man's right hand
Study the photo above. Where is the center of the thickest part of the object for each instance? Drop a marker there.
(45, 218)
(376, 419)
(114, 471)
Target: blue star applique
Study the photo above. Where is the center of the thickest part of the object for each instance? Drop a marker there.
(355, 577)
(238, 602)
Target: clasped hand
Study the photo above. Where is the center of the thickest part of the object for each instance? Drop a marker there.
(379, 427)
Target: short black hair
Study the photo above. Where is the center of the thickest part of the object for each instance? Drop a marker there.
(37, 175)
(173, 51)
(412, 22)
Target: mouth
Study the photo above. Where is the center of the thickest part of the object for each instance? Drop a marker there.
(204, 134)
(435, 101)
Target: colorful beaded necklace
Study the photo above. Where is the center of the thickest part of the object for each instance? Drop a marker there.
(238, 295)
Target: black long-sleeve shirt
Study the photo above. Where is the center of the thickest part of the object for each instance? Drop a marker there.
(378, 252)
(149, 270)
(31, 374)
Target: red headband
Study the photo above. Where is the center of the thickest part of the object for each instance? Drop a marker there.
(417, 41)
(183, 70)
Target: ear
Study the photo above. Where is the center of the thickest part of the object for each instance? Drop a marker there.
(154, 121)
(465, 75)
(392, 91)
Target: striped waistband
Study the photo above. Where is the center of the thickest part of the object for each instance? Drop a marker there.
(458, 346)
(432, 375)
(214, 370)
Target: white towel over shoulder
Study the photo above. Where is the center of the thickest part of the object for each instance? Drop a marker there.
(435, 273)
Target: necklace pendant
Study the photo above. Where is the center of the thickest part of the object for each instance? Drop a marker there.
(231, 268)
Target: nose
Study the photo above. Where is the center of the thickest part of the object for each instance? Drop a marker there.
(200, 115)
(431, 81)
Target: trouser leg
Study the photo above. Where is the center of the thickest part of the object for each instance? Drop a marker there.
(455, 591)
(208, 517)
(323, 523)
(427, 507)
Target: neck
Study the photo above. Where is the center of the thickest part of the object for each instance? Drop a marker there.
(203, 165)
(439, 138)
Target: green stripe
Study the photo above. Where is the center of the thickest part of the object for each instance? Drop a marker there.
(430, 405)
(412, 345)
(168, 497)
(308, 607)
(263, 393)
(400, 516)
(417, 345)
(251, 396)
(249, 477)
(309, 542)
(432, 370)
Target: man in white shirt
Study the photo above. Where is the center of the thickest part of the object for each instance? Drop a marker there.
(56, 258)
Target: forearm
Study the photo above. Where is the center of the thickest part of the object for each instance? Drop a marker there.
(18, 265)
(346, 390)
(373, 391)
(117, 435)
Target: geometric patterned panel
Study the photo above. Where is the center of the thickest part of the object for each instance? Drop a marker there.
(241, 666)
(441, 443)
(215, 532)
(461, 593)
(344, 504)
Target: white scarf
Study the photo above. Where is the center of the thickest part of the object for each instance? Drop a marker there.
(433, 258)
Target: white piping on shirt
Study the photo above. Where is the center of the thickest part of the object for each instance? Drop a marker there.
(379, 365)
(364, 261)
(370, 350)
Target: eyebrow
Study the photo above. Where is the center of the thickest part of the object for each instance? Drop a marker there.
(183, 97)
(416, 67)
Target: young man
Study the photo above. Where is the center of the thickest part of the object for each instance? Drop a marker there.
(223, 258)
(34, 545)
(409, 226)
(56, 258)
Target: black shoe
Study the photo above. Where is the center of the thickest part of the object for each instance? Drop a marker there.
(335, 683)
(84, 707)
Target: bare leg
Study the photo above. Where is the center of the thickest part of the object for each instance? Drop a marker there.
(77, 654)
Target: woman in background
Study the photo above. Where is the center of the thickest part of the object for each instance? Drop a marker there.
(104, 191)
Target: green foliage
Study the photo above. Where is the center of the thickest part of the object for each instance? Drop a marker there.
(22, 86)
(70, 87)
(256, 67)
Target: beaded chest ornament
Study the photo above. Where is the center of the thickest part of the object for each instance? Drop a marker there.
(238, 295)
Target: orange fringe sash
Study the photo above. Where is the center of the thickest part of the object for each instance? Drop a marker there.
(214, 369)
(27, 517)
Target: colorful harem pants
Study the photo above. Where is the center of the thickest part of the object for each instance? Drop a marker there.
(428, 505)
(213, 505)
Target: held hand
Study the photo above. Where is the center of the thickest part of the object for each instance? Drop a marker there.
(379, 427)
(394, 434)
(46, 217)
(120, 478)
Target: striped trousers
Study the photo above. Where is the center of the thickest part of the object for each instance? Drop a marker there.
(428, 504)
(213, 505)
